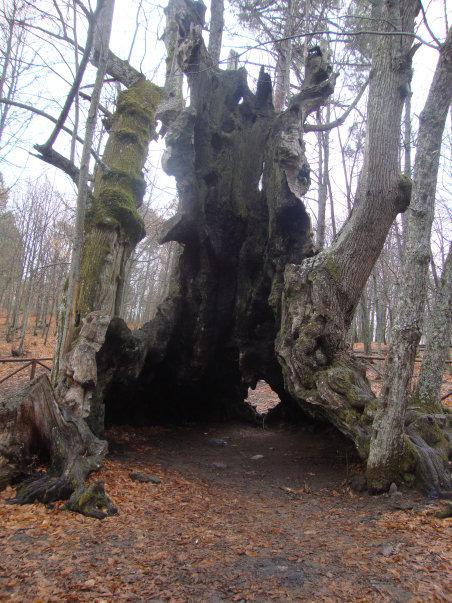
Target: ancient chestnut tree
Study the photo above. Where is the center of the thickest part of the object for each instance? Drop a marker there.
(251, 296)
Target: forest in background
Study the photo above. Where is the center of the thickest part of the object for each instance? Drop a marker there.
(37, 211)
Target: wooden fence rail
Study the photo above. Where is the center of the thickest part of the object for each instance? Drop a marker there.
(374, 357)
(32, 362)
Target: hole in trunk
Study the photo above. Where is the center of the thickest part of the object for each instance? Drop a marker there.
(262, 398)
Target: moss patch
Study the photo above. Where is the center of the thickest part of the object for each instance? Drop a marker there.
(331, 267)
(405, 185)
(119, 189)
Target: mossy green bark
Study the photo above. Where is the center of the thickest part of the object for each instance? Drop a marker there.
(113, 218)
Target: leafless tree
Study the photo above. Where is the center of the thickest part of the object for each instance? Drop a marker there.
(390, 445)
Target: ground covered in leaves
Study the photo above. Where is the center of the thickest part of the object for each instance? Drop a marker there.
(241, 514)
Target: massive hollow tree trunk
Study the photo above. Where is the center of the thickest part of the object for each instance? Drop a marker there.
(240, 170)
(248, 301)
(249, 298)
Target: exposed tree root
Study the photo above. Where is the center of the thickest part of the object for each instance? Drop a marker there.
(323, 377)
(32, 425)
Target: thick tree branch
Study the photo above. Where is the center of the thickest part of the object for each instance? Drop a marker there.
(49, 155)
(120, 70)
(41, 113)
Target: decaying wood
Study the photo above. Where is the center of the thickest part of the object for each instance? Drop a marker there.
(250, 297)
(32, 425)
(79, 370)
(240, 170)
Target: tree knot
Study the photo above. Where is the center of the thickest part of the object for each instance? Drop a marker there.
(403, 196)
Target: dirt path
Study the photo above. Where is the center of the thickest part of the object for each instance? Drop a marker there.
(224, 526)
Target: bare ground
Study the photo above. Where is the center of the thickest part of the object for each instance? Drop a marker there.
(224, 526)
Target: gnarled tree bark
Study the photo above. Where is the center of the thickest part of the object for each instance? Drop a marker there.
(31, 424)
(321, 295)
(240, 170)
(251, 299)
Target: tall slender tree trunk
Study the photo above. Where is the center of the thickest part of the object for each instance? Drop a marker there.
(332, 212)
(407, 144)
(216, 30)
(438, 332)
(72, 317)
(391, 442)
(324, 155)
(365, 323)
(380, 311)
(13, 316)
(284, 60)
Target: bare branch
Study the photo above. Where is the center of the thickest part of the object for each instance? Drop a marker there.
(77, 81)
(340, 34)
(424, 18)
(119, 69)
(104, 110)
(340, 120)
(37, 111)
(54, 158)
